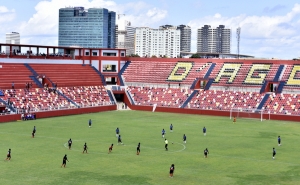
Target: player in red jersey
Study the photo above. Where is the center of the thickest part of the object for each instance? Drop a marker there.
(138, 149)
(8, 157)
(110, 148)
(85, 148)
(65, 159)
(172, 168)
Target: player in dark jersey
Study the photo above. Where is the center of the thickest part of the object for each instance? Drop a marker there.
(204, 131)
(171, 128)
(120, 139)
(65, 159)
(184, 138)
(8, 156)
(172, 169)
(117, 132)
(163, 133)
(90, 123)
(279, 141)
(274, 153)
(110, 148)
(138, 149)
(33, 132)
(85, 148)
(206, 152)
(70, 143)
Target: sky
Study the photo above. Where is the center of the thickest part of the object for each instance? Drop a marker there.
(269, 28)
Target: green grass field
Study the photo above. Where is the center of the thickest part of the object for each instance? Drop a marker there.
(240, 153)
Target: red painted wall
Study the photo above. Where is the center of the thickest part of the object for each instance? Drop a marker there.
(208, 112)
(15, 117)
(8, 118)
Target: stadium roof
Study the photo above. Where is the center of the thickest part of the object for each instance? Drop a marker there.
(217, 54)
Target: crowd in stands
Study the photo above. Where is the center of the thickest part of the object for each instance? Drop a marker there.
(30, 53)
(29, 116)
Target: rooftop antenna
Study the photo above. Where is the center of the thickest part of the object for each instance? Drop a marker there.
(238, 38)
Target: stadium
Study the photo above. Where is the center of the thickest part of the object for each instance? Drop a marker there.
(57, 82)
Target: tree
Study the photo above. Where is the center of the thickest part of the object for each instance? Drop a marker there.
(196, 55)
(134, 55)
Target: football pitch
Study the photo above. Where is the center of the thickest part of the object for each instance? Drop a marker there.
(239, 153)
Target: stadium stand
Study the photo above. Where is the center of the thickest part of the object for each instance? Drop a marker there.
(217, 85)
(36, 99)
(87, 96)
(66, 75)
(14, 73)
(288, 104)
(224, 100)
(164, 97)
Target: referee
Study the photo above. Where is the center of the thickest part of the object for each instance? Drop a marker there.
(166, 144)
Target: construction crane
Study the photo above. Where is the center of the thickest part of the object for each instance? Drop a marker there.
(119, 15)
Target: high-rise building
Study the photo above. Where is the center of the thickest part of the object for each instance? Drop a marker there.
(121, 33)
(213, 40)
(130, 40)
(164, 41)
(89, 28)
(185, 38)
(12, 38)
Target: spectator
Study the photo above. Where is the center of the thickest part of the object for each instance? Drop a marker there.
(13, 85)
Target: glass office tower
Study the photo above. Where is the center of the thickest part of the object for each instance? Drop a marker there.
(91, 28)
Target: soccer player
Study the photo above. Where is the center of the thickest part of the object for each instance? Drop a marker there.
(117, 132)
(85, 148)
(204, 131)
(8, 156)
(110, 148)
(119, 140)
(184, 138)
(166, 144)
(279, 141)
(90, 123)
(65, 159)
(33, 132)
(172, 168)
(70, 143)
(171, 128)
(274, 153)
(234, 119)
(138, 149)
(206, 152)
(163, 133)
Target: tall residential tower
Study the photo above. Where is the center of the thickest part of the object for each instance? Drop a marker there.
(89, 28)
(185, 38)
(213, 40)
(164, 41)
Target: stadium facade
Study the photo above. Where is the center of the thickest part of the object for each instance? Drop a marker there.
(211, 86)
